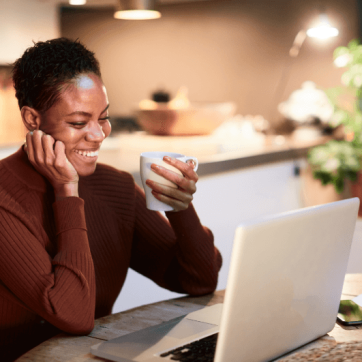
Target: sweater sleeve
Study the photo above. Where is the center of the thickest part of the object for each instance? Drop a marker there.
(61, 290)
(178, 253)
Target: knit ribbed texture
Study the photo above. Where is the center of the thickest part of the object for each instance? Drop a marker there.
(65, 262)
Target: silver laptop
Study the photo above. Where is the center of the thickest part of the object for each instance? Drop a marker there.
(284, 285)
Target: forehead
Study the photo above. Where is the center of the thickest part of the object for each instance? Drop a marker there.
(83, 93)
(84, 81)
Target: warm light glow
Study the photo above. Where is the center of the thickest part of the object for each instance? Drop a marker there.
(77, 2)
(137, 14)
(342, 60)
(323, 30)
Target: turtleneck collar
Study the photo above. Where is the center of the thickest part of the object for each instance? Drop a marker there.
(19, 165)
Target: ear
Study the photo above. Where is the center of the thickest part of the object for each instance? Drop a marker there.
(31, 118)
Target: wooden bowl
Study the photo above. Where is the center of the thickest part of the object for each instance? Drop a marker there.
(199, 119)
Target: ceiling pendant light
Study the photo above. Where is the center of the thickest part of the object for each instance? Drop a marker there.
(136, 10)
(77, 2)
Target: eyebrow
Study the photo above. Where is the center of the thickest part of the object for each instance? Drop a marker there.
(85, 113)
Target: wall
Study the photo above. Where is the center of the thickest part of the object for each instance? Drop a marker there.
(221, 50)
(21, 23)
(12, 130)
(25, 21)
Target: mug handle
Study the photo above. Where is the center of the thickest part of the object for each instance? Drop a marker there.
(194, 160)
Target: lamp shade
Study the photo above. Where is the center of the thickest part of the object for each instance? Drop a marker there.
(323, 29)
(136, 10)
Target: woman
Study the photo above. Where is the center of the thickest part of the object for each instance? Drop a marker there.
(69, 228)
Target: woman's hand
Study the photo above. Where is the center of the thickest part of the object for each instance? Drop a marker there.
(51, 162)
(179, 198)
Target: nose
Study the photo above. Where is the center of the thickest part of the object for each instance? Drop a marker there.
(95, 133)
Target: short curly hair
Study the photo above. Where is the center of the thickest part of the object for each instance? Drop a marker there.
(43, 69)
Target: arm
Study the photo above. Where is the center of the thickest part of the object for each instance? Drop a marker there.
(178, 254)
(61, 290)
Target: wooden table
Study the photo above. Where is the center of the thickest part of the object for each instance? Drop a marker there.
(69, 348)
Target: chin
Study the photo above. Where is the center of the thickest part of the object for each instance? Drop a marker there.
(83, 168)
(86, 172)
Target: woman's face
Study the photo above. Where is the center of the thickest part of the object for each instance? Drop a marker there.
(80, 120)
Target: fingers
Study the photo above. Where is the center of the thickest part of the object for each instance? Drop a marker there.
(38, 147)
(186, 182)
(60, 158)
(48, 142)
(176, 198)
(29, 147)
(176, 205)
(171, 192)
(192, 163)
(180, 181)
(49, 158)
(187, 169)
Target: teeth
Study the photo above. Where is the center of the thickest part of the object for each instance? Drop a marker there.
(88, 154)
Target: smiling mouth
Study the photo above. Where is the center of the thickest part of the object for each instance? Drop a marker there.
(87, 155)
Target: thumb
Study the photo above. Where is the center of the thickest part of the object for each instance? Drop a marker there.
(192, 163)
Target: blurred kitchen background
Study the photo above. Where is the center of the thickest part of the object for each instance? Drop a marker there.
(221, 50)
(236, 83)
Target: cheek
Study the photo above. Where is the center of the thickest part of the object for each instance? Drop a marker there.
(70, 138)
(48, 128)
(107, 128)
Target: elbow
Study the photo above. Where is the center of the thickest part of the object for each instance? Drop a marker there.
(205, 283)
(208, 283)
(74, 321)
(74, 314)
(201, 290)
(84, 329)
(80, 328)
(203, 286)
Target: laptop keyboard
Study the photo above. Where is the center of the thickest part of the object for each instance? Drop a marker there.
(200, 350)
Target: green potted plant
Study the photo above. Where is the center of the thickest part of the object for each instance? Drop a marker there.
(339, 160)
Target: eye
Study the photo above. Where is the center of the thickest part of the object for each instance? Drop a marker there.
(78, 124)
(104, 118)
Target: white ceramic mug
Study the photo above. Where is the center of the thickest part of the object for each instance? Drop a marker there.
(146, 160)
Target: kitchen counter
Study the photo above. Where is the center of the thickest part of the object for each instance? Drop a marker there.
(215, 153)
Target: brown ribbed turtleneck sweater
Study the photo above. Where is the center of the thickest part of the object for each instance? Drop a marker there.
(63, 263)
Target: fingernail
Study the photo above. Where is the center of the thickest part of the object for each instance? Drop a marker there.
(155, 167)
(167, 158)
